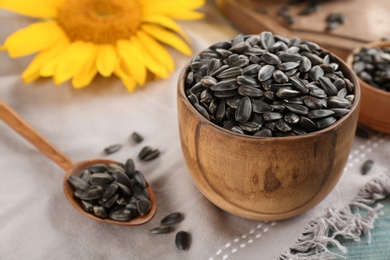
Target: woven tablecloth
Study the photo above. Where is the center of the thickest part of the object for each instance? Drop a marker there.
(37, 222)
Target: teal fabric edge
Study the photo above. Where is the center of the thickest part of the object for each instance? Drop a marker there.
(374, 247)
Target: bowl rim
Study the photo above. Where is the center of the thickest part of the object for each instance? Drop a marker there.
(350, 59)
(344, 68)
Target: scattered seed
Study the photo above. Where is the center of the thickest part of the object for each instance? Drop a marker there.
(112, 148)
(172, 218)
(161, 230)
(367, 166)
(137, 137)
(182, 240)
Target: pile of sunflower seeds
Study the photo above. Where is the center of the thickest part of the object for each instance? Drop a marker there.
(372, 65)
(268, 85)
(114, 191)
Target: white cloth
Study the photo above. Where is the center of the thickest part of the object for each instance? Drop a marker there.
(37, 222)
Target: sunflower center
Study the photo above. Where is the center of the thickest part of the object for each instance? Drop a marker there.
(100, 21)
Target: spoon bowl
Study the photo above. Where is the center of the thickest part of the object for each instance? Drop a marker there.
(11, 118)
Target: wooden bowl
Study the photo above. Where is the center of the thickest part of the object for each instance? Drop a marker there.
(264, 178)
(375, 103)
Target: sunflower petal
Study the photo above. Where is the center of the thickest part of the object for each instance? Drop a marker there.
(86, 74)
(127, 80)
(158, 52)
(33, 70)
(72, 60)
(151, 64)
(38, 9)
(166, 22)
(167, 37)
(182, 9)
(132, 60)
(107, 59)
(34, 38)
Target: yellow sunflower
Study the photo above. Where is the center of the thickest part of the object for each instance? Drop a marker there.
(77, 39)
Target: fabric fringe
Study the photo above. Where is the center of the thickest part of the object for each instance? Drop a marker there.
(347, 223)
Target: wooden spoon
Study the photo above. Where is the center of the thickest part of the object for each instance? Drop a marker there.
(10, 117)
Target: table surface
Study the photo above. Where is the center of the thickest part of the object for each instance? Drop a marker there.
(39, 223)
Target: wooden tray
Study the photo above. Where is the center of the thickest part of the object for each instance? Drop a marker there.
(366, 21)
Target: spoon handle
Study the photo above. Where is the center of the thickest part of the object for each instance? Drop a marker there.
(11, 118)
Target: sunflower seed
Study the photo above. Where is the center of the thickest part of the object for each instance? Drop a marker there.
(250, 70)
(316, 91)
(312, 102)
(316, 72)
(272, 116)
(314, 59)
(207, 95)
(120, 215)
(293, 50)
(297, 109)
(240, 47)
(99, 211)
(91, 193)
(182, 240)
(161, 230)
(339, 112)
(153, 154)
(320, 113)
(78, 183)
(367, 166)
(246, 80)
(208, 81)
(108, 192)
(140, 193)
(289, 57)
(308, 125)
(217, 71)
(87, 206)
(97, 168)
(299, 84)
(288, 65)
(240, 63)
(259, 106)
(129, 166)
(250, 91)
(265, 73)
(267, 40)
(100, 178)
(325, 122)
(336, 102)
(328, 86)
(224, 85)
(279, 76)
(305, 65)
(230, 73)
(221, 45)
(291, 118)
(108, 203)
(270, 58)
(143, 206)
(202, 111)
(172, 218)
(263, 133)
(244, 110)
(250, 126)
(226, 93)
(112, 148)
(237, 129)
(287, 93)
(283, 126)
